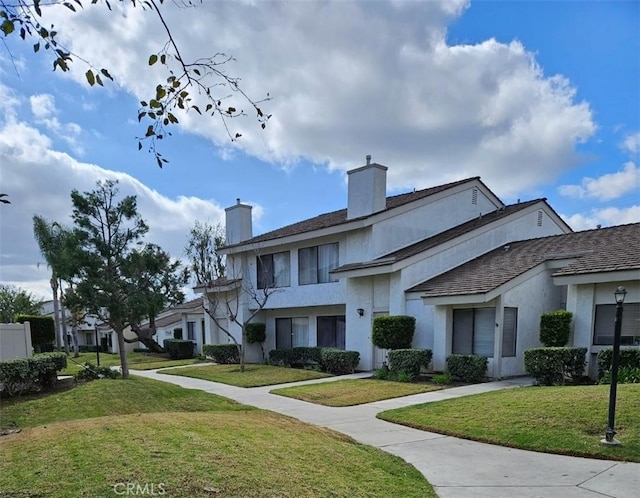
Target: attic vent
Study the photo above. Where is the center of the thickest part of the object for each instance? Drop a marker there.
(474, 196)
(539, 218)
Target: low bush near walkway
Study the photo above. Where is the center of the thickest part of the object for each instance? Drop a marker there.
(31, 374)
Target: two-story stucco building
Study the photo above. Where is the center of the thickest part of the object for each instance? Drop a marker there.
(474, 272)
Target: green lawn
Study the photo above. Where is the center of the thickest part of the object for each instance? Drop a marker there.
(254, 375)
(137, 361)
(351, 392)
(95, 439)
(568, 420)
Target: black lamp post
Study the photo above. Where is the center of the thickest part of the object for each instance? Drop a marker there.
(609, 437)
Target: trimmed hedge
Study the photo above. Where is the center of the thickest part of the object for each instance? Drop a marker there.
(551, 366)
(31, 374)
(393, 332)
(223, 354)
(629, 357)
(295, 356)
(555, 328)
(256, 332)
(467, 367)
(339, 361)
(43, 329)
(178, 349)
(409, 360)
(90, 349)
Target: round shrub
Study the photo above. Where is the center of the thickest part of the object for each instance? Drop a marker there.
(555, 328)
(256, 332)
(393, 332)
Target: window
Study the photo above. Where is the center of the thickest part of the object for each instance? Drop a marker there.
(474, 331)
(292, 332)
(331, 331)
(509, 332)
(89, 339)
(191, 331)
(315, 263)
(274, 270)
(605, 325)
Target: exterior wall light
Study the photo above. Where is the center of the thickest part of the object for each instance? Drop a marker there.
(360, 312)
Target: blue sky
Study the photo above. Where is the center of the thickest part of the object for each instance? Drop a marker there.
(540, 99)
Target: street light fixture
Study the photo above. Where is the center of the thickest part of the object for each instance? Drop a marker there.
(609, 437)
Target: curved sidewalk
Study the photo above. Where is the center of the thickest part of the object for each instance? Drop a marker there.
(457, 468)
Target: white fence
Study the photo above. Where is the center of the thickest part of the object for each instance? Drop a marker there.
(15, 341)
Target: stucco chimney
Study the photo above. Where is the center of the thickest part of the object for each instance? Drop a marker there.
(367, 189)
(238, 223)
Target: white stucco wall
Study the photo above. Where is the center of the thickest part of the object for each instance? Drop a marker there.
(534, 297)
(582, 300)
(435, 216)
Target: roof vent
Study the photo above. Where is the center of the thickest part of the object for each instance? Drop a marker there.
(506, 248)
(368, 158)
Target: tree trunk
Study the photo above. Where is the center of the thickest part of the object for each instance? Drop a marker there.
(74, 336)
(63, 321)
(145, 336)
(123, 354)
(56, 313)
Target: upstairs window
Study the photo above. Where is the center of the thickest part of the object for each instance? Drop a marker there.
(274, 270)
(315, 263)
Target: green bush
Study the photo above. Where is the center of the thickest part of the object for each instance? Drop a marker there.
(403, 376)
(551, 366)
(442, 379)
(381, 373)
(626, 375)
(43, 329)
(306, 355)
(178, 349)
(281, 357)
(298, 356)
(256, 333)
(393, 332)
(31, 374)
(555, 328)
(223, 354)
(408, 360)
(467, 367)
(90, 349)
(91, 372)
(141, 350)
(339, 361)
(629, 357)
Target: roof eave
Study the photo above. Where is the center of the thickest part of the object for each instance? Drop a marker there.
(597, 277)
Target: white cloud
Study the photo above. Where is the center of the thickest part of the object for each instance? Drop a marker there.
(604, 217)
(631, 143)
(43, 108)
(606, 187)
(355, 78)
(40, 179)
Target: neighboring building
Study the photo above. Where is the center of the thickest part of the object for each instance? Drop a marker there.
(184, 320)
(452, 256)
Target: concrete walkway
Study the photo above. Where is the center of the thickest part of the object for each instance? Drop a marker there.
(456, 468)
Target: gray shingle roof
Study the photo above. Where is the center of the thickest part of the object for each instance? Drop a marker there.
(595, 251)
(339, 217)
(440, 238)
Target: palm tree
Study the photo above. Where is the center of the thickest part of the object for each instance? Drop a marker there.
(50, 238)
